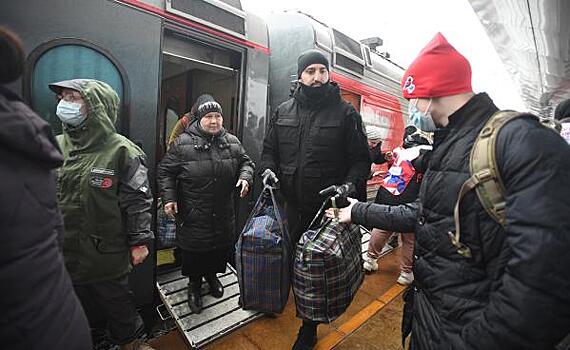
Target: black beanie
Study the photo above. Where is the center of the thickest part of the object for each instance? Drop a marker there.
(310, 57)
(562, 110)
(11, 56)
(204, 105)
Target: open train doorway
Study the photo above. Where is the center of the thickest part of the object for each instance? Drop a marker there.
(190, 68)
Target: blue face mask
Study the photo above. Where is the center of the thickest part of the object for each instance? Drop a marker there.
(421, 120)
(70, 113)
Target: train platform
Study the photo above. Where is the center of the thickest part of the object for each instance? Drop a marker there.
(372, 321)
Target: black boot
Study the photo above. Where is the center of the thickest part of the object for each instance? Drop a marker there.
(194, 297)
(216, 288)
(307, 337)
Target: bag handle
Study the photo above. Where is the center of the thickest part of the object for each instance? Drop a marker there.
(277, 213)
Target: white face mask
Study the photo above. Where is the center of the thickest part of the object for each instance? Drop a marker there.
(421, 120)
(70, 113)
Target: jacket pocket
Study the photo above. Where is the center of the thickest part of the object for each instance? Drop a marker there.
(329, 133)
(287, 179)
(109, 245)
(287, 130)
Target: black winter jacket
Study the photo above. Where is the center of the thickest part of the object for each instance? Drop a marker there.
(39, 307)
(200, 172)
(514, 291)
(311, 145)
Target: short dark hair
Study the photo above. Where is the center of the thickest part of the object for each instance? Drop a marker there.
(11, 56)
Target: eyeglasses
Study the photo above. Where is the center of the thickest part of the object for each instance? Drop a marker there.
(70, 96)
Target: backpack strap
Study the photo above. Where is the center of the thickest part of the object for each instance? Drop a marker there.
(485, 176)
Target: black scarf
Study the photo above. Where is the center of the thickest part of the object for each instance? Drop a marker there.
(318, 96)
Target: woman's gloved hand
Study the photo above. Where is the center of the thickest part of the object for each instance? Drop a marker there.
(269, 177)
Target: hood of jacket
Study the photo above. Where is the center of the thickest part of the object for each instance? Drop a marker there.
(25, 132)
(102, 104)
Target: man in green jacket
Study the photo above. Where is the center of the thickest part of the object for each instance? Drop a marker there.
(106, 202)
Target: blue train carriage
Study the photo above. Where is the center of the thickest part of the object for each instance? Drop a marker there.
(159, 56)
(368, 79)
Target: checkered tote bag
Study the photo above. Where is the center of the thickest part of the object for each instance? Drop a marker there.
(263, 257)
(327, 271)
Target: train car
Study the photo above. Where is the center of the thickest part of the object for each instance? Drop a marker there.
(159, 55)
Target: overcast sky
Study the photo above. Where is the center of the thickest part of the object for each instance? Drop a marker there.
(406, 26)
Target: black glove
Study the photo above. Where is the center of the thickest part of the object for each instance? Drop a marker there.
(269, 177)
(339, 193)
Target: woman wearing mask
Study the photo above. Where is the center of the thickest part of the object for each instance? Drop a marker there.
(197, 179)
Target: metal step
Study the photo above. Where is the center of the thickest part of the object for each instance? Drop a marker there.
(218, 316)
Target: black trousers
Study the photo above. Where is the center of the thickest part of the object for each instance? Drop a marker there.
(112, 302)
(298, 221)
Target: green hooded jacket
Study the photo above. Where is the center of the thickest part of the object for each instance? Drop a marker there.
(103, 190)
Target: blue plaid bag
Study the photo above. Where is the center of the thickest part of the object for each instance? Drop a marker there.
(166, 227)
(327, 271)
(263, 257)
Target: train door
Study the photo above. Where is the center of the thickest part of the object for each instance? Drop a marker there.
(190, 68)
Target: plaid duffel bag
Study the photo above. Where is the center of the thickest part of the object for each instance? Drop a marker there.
(327, 271)
(263, 257)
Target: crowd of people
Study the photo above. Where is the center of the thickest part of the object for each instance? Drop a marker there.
(76, 208)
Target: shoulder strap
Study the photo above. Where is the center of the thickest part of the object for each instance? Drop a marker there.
(485, 176)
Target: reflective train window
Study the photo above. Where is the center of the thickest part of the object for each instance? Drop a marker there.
(70, 62)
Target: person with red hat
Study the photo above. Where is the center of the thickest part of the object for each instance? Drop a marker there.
(491, 284)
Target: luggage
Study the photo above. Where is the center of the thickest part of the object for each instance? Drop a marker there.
(263, 256)
(327, 270)
(166, 235)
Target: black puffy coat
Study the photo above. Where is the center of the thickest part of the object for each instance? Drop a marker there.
(200, 172)
(513, 293)
(39, 307)
(311, 145)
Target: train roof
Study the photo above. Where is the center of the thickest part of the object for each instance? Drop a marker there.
(532, 40)
(225, 18)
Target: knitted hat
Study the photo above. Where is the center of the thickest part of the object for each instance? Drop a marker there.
(310, 57)
(562, 110)
(205, 104)
(439, 70)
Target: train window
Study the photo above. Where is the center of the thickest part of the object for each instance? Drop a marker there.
(347, 63)
(347, 44)
(64, 62)
(367, 57)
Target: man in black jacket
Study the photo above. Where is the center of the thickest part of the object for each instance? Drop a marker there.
(512, 291)
(39, 308)
(314, 140)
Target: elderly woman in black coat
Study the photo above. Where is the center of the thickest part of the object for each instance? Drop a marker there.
(197, 179)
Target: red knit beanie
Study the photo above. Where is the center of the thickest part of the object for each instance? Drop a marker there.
(439, 70)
